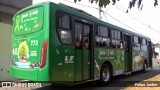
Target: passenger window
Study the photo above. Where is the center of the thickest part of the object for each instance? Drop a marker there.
(64, 28)
(116, 34)
(144, 41)
(136, 42)
(86, 30)
(86, 43)
(135, 39)
(113, 35)
(102, 37)
(103, 31)
(66, 36)
(64, 21)
(78, 35)
(144, 45)
(117, 41)
(86, 37)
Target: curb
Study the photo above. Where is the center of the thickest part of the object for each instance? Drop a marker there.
(22, 81)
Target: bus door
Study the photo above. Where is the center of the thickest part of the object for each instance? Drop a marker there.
(82, 51)
(128, 53)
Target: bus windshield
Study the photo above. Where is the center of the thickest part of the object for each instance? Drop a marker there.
(28, 21)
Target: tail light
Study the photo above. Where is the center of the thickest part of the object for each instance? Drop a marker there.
(43, 54)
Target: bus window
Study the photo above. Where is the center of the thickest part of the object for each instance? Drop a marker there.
(86, 37)
(86, 43)
(102, 37)
(64, 29)
(64, 21)
(136, 43)
(103, 31)
(78, 35)
(117, 39)
(28, 21)
(78, 41)
(66, 36)
(98, 41)
(144, 45)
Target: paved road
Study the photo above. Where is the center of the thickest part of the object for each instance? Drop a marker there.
(118, 82)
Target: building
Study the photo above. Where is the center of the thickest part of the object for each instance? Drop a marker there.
(7, 9)
(156, 57)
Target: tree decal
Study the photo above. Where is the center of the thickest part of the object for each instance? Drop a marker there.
(23, 52)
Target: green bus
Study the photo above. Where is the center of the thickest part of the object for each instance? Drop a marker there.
(61, 44)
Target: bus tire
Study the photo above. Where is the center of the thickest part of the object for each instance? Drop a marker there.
(105, 75)
(144, 67)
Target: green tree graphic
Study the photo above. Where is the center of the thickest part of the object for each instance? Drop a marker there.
(23, 51)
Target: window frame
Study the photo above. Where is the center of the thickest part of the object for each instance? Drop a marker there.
(137, 42)
(118, 39)
(144, 44)
(97, 34)
(59, 29)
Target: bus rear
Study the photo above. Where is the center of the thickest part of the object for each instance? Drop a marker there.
(30, 36)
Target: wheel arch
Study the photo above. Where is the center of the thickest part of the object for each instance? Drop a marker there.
(110, 64)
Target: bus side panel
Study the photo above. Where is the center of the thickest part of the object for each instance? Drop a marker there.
(138, 59)
(62, 57)
(114, 56)
(44, 72)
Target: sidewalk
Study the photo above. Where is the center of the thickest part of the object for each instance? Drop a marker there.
(154, 82)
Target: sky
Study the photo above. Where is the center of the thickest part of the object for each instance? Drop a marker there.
(145, 22)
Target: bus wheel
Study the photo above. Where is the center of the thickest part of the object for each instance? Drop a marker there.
(105, 74)
(144, 67)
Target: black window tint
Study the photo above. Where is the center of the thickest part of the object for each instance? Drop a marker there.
(97, 30)
(116, 34)
(103, 31)
(102, 41)
(64, 21)
(113, 36)
(106, 42)
(114, 43)
(144, 41)
(119, 35)
(98, 41)
(86, 30)
(78, 29)
(59, 20)
(65, 36)
(64, 29)
(86, 43)
(136, 39)
(78, 35)
(102, 37)
(139, 40)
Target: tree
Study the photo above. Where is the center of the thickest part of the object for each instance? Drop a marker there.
(104, 3)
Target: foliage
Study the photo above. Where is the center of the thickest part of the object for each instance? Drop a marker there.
(104, 3)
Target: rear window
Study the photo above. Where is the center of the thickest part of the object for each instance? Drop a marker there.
(28, 21)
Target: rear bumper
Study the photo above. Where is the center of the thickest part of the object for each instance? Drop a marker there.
(28, 74)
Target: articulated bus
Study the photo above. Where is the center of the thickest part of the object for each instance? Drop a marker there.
(57, 43)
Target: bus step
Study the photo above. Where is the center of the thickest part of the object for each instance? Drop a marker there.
(127, 73)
